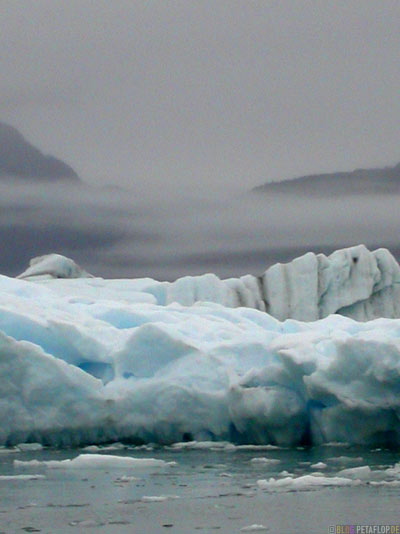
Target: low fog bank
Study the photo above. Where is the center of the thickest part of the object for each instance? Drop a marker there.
(119, 233)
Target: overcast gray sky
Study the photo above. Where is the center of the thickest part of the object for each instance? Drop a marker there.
(188, 93)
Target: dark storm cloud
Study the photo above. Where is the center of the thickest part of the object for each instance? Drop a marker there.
(203, 94)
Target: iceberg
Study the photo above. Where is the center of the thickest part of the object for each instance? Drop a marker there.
(88, 361)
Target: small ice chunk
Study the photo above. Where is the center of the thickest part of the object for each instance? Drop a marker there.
(86, 523)
(96, 448)
(203, 445)
(148, 447)
(125, 479)
(265, 461)
(336, 444)
(362, 472)
(304, 483)
(158, 498)
(319, 465)
(393, 471)
(21, 477)
(345, 459)
(30, 446)
(254, 528)
(390, 483)
(250, 447)
(8, 450)
(92, 448)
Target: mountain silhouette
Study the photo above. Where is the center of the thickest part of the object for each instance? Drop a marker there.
(360, 181)
(21, 160)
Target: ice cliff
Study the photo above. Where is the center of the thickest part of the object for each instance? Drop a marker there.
(353, 282)
(88, 360)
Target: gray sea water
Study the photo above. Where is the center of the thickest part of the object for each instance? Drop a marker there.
(207, 491)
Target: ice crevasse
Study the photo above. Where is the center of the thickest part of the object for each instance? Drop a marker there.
(87, 360)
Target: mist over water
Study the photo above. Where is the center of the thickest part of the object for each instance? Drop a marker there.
(135, 233)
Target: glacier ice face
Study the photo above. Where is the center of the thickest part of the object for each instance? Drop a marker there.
(90, 361)
(353, 282)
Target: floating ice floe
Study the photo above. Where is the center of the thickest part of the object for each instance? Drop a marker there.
(363, 472)
(344, 460)
(29, 447)
(346, 477)
(254, 528)
(203, 445)
(304, 483)
(158, 498)
(94, 461)
(319, 465)
(96, 448)
(21, 477)
(393, 471)
(265, 461)
(125, 479)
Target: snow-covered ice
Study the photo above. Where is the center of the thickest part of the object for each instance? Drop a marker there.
(86, 360)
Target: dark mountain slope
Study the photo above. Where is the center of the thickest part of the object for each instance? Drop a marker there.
(19, 159)
(385, 180)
